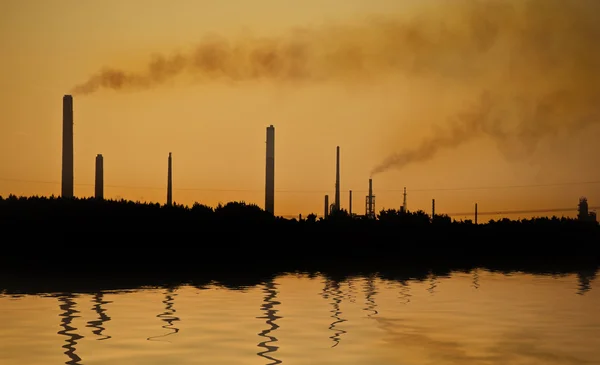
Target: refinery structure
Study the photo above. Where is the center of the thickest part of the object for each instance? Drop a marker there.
(67, 182)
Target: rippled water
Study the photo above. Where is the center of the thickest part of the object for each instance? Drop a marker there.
(474, 318)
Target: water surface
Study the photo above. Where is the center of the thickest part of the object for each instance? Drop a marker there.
(463, 318)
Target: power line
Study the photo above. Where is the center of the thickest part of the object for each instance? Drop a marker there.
(527, 211)
(316, 191)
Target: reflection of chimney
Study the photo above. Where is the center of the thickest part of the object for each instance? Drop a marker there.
(337, 179)
(270, 171)
(326, 206)
(170, 182)
(67, 148)
(99, 188)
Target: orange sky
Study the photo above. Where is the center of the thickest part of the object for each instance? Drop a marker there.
(216, 130)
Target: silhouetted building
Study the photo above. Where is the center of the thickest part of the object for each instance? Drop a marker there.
(99, 186)
(170, 182)
(337, 180)
(270, 171)
(583, 213)
(370, 202)
(326, 210)
(67, 148)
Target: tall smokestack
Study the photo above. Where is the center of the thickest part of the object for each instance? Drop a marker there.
(67, 148)
(432, 209)
(170, 182)
(475, 213)
(326, 206)
(337, 180)
(99, 187)
(370, 202)
(270, 171)
(350, 204)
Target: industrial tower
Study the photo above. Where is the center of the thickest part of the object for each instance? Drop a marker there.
(67, 148)
(270, 171)
(99, 187)
(170, 182)
(337, 180)
(370, 202)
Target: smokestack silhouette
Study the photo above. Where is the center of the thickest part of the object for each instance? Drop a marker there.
(270, 171)
(99, 186)
(67, 148)
(326, 206)
(170, 182)
(370, 202)
(337, 179)
(350, 203)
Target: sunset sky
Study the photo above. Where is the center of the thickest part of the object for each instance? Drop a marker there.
(509, 93)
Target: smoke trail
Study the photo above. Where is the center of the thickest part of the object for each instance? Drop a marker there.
(535, 64)
(353, 52)
(539, 78)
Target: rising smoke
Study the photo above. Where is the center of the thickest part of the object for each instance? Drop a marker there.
(533, 66)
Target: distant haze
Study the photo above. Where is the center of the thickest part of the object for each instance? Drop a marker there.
(532, 67)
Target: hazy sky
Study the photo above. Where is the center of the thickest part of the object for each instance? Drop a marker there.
(485, 83)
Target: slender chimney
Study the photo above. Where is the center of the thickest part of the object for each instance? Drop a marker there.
(432, 209)
(326, 206)
(350, 204)
(475, 213)
(337, 179)
(370, 202)
(270, 171)
(99, 187)
(67, 148)
(170, 182)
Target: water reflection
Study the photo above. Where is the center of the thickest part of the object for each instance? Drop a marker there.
(97, 325)
(405, 292)
(585, 279)
(168, 316)
(370, 291)
(433, 283)
(67, 306)
(476, 279)
(332, 290)
(351, 291)
(268, 308)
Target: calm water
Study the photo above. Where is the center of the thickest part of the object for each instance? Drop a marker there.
(475, 318)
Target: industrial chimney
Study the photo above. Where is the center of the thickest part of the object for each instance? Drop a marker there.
(370, 202)
(337, 180)
(67, 148)
(326, 215)
(99, 187)
(170, 182)
(350, 203)
(270, 171)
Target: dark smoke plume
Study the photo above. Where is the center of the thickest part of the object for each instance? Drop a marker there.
(536, 64)
(537, 69)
